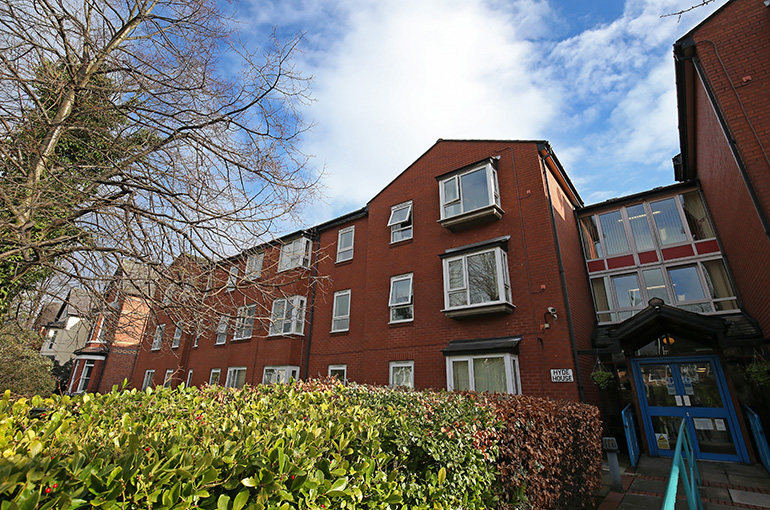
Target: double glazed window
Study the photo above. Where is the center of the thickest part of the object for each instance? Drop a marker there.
(282, 374)
(402, 374)
(641, 227)
(483, 372)
(469, 190)
(254, 266)
(224, 321)
(149, 375)
(345, 244)
(476, 278)
(400, 222)
(168, 377)
(295, 254)
(401, 300)
(157, 340)
(339, 372)
(232, 279)
(177, 336)
(85, 375)
(236, 377)
(244, 322)
(214, 376)
(341, 312)
(288, 316)
(702, 287)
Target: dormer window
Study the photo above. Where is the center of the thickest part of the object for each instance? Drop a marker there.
(470, 195)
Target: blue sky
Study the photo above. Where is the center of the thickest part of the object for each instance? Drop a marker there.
(390, 77)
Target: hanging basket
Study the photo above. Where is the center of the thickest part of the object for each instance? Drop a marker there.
(603, 378)
(759, 373)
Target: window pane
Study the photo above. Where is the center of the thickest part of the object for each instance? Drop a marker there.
(342, 305)
(601, 299)
(656, 287)
(450, 190)
(668, 222)
(719, 285)
(475, 193)
(482, 278)
(401, 292)
(590, 233)
(614, 233)
(461, 380)
(458, 298)
(402, 376)
(489, 374)
(401, 313)
(456, 278)
(697, 219)
(640, 228)
(400, 215)
(627, 291)
(686, 283)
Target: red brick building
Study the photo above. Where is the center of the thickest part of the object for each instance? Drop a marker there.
(463, 273)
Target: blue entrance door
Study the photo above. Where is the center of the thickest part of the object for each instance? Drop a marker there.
(691, 389)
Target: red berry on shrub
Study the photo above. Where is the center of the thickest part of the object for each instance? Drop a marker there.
(55, 485)
(47, 490)
(147, 449)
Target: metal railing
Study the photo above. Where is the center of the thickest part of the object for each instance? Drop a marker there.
(755, 424)
(686, 471)
(631, 438)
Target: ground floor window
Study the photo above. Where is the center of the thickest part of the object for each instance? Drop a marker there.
(168, 377)
(189, 378)
(236, 377)
(339, 371)
(85, 376)
(214, 376)
(149, 375)
(283, 374)
(402, 374)
(483, 372)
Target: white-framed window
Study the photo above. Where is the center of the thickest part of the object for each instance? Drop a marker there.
(476, 279)
(483, 372)
(236, 377)
(214, 376)
(345, 243)
(244, 322)
(341, 311)
(254, 266)
(288, 316)
(401, 374)
(189, 378)
(280, 374)
(177, 336)
(149, 375)
(401, 301)
(468, 190)
(224, 321)
(701, 286)
(85, 375)
(339, 372)
(52, 338)
(168, 377)
(197, 339)
(400, 222)
(157, 340)
(295, 254)
(232, 279)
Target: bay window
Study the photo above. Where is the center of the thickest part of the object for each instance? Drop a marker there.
(236, 377)
(483, 372)
(477, 280)
(244, 322)
(470, 194)
(288, 316)
(295, 254)
(280, 374)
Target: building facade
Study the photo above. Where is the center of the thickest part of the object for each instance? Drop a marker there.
(68, 329)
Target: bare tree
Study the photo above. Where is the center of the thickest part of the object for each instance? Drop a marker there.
(139, 130)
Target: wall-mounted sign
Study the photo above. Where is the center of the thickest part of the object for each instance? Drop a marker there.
(561, 375)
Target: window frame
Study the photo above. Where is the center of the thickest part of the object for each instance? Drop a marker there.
(504, 291)
(232, 373)
(287, 376)
(218, 372)
(168, 377)
(343, 250)
(397, 227)
(157, 339)
(177, 336)
(253, 268)
(339, 367)
(337, 317)
(493, 191)
(511, 363)
(232, 279)
(244, 322)
(297, 325)
(400, 364)
(85, 375)
(221, 331)
(296, 253)
(149, 379)
(189, 378)
(392, 307)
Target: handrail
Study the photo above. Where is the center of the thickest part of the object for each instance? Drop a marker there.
(631, 438)
(687, 471)
(755, 424)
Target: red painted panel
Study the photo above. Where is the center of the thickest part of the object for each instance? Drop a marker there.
(624, 261)
(596, 265)
(648, 257)
(677, 252)
(710, 246)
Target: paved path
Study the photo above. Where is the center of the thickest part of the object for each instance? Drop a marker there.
(724, 486)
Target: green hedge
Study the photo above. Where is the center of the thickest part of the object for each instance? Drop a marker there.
(308, 445)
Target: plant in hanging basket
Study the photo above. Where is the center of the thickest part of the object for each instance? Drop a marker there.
(759, 373)
(602, 378)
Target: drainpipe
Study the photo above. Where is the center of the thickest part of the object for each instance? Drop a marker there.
(316, 237)
(563, 279)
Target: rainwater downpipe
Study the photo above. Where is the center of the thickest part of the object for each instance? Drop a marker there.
(563, 278)
(313, 284)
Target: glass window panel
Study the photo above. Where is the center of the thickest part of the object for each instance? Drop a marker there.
(590, 233)
(601, 293)
(695, 213)
(666, 430)
(399, 215)
(659, 385)
(700, 384)
(342, 304)
(687, 286)
(656, 287)
(482, 278)
(401, 292)
(456, 278)
(640, 227)
(401, 313)
(401, 376)
(627, 291)
(458, 298)
(614, 233)
(717, 280)
(475, 193)
(450, 190)
(668, 222)
(461, 380)
(489, 374)
(714, 436)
